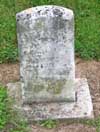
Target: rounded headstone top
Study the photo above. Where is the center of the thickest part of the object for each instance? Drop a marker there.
(45, 11)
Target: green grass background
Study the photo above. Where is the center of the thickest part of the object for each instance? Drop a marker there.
(87, 42)
(87, 26)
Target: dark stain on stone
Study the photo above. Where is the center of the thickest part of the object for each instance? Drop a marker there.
(55, 49)
(39, 11)
(58, 24)
(85, 113)
(28, 16)
(18, 16)
(24, 52)
(75, 106)
(52, 110)
(47, 9)
(57, 12)
(17, 20)
(41, 66)
(76, 96)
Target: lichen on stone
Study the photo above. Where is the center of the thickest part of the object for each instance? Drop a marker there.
(55, 86)
(37, 88)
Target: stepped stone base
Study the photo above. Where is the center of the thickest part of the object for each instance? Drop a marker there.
(81, 108)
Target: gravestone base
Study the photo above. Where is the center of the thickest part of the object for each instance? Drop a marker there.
(81, 108)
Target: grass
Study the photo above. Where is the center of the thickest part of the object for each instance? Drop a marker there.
(10, 121)
(48, 123)
(3, 112)
(94, 123)
(87, 23)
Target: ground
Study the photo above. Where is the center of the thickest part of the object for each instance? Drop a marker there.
(88, 69)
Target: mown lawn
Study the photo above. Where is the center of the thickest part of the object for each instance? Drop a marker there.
(87, 26)
(87, 43)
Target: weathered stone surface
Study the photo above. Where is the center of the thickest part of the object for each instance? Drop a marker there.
(81, 108)
(47, 68)
(15, 92)
(46, 48)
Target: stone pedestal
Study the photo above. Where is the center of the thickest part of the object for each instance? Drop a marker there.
(81, 108)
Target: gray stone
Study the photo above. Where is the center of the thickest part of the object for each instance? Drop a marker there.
(81, 108)
(47, 87)
(46, 48)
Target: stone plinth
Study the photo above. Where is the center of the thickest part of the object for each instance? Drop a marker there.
(81, 108)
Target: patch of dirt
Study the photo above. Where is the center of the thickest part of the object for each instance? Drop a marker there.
(9, 73)
(84, 69)
(66, 128)
(91, 71)
(75, 128)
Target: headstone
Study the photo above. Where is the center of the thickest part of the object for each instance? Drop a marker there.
(48, 87)
(46, 45)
